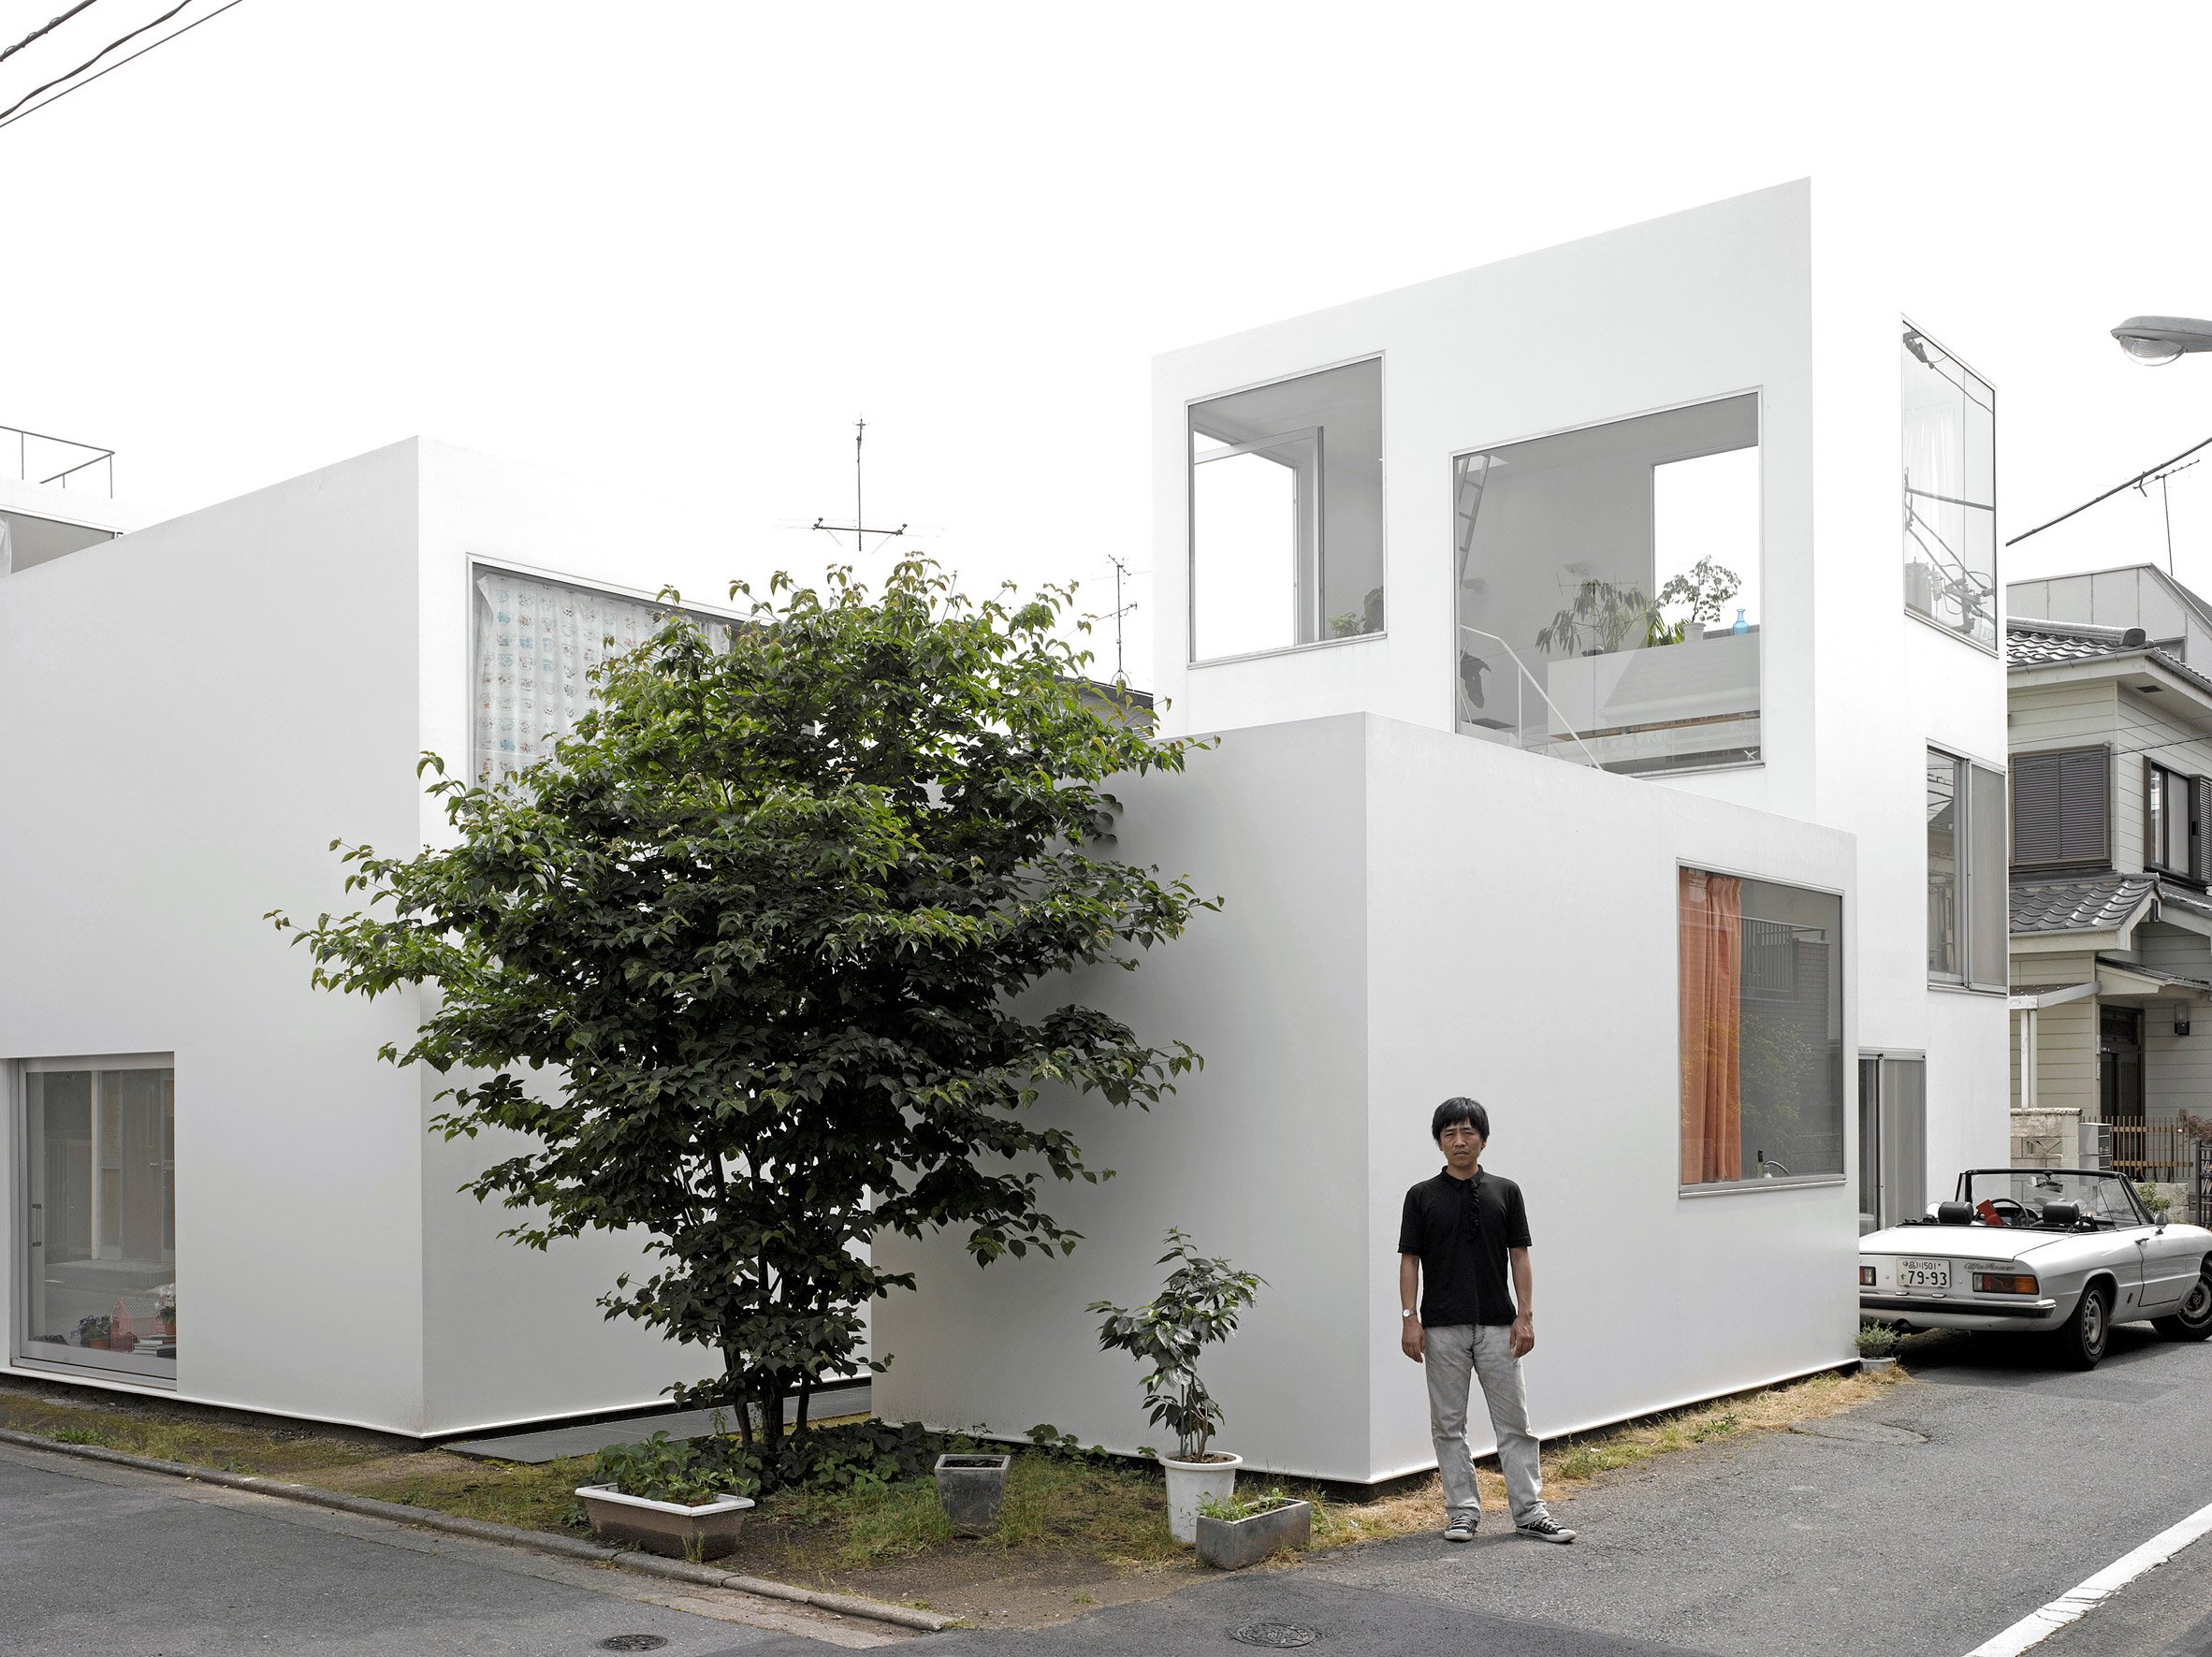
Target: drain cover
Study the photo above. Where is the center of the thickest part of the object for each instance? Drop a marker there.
(633, 1642)
(1275, 1637)
(1852, 1431)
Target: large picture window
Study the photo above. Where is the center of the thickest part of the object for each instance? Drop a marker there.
(535, 642)
(1950, 505)
(1286, 513)
(1762, 1031)
(99, 1233)
(1609, 586)
(1966, 873)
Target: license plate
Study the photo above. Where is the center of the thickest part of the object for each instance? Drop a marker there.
(1924, 1274)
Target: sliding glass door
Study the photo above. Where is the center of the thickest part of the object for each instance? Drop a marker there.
(100, 1219)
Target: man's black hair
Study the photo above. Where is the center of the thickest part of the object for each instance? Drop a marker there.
(1453, 1111)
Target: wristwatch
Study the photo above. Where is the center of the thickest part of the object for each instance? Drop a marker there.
(1408, 1312)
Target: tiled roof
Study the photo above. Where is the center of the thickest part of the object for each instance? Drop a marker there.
(2045, 644)
(2094, 903)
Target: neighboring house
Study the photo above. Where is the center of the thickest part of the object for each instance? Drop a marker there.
(201, 707)
(2111, 852)
(1728, 991)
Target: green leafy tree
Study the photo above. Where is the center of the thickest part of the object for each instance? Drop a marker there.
(745, 960)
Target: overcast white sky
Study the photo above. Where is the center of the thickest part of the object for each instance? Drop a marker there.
(682, 244)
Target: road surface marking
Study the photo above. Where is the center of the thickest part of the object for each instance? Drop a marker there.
(2076, 1602)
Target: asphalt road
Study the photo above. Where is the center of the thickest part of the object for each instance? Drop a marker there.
(98, 1561)
(1924, 1524)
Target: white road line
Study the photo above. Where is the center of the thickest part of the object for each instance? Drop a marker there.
(2075, 1604)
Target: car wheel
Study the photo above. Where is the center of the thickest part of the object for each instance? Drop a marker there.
(2081, 1340)
(2193, 1320)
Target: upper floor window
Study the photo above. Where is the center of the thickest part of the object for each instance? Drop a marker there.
(1966, 873)
(1608, 591)
(2174, 809)
(1950, 504)
(1286, 513)
(534, 647)
(2062, 809)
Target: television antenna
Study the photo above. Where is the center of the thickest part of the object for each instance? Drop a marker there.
(1121, 570)
(858, 528)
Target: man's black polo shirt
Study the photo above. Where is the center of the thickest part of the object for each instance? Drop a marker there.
(1462, 1229)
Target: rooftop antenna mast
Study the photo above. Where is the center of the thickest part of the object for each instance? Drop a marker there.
(858, 528)
(1121, 569)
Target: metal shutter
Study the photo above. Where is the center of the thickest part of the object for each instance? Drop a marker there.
(2062, 807)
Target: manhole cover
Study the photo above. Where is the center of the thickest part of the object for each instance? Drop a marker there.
(1275, 1637)
(633, 1642)
(1852, 1431)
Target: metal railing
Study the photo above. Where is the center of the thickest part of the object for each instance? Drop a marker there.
(1524, 731)
(59, 462)
(2150, 1150)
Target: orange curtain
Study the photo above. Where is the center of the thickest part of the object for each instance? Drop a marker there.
(1712, 1027)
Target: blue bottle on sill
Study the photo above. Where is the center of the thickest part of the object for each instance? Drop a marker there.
(1742, 625)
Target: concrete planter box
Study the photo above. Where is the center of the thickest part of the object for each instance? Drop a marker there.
(1874, 1366)
(969, 1490)
(707, 1530)
(1231, 1544)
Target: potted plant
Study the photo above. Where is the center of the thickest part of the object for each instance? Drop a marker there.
(665, 1498)
(1706, 588)
(1198, 1305)
(969, 1490)
(1232, 1535)
(165, 1310)
(1877, 1347)
(1598, 620)
(94, 1332)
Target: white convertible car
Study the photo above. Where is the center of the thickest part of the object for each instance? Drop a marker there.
(2062, 1250)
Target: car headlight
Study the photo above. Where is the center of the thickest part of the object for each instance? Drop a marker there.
(2004, 1283)
(1866, 1277)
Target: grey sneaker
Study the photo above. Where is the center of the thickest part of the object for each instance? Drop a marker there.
(1461, 1529)
(1544, 1528)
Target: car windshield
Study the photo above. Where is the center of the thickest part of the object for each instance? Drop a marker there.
(2016, 1196)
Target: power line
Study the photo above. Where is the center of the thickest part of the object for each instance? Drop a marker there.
(51, 25)
(2147, 473)
(9, 116)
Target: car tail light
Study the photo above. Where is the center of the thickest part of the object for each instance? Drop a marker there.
(2004, 1283)
(1866, 1277)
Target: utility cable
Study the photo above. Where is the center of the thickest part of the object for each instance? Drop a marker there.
(2146, 472)
(50, 27)
(110, 69)
(104, 50)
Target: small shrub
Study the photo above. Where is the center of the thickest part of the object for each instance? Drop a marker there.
(1198, 1305)
(1062, 1446)
(2152, 1198)
(1877, 1340)
(1232, 1508)
(853, 1456)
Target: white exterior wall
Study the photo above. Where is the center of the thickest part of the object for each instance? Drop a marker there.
(1408, 914)
(217, 699)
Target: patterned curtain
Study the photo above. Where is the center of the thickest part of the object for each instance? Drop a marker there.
(1711, 1027)
(536, 643)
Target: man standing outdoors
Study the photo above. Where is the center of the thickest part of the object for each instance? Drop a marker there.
(1463, 1230)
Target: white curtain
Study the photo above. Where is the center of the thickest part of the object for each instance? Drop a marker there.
(535, 644)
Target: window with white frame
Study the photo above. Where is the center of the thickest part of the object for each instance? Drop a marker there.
(98, 1232)
(1892, 1139)
(1966, 873)
(1286, 513)
(1950, 500)
(535, 646)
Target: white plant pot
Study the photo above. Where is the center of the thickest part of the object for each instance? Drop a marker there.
(1192, 1482)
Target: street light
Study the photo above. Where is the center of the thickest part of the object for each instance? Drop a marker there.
(2154, 341)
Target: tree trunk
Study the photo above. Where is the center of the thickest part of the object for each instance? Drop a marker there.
(771, 1422)
(806, 1394)
(736, 1389)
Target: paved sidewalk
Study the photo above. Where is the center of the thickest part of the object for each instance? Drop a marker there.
(101, 1562)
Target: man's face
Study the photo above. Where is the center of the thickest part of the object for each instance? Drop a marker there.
(1461, 1146)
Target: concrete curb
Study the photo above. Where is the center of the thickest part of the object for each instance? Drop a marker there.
(844, 1604)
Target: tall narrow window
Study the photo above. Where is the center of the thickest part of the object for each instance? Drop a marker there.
(1892, 1139)
(99, 1223)
(536, 643)
(1761, 1031)
(1950, 483)
(1966, 873)
(2170, 821)
(1286, 513)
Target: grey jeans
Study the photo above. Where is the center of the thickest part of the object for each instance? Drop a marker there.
(1456, 1353)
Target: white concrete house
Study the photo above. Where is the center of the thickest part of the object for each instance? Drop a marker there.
(1714, 924)
(203, 705)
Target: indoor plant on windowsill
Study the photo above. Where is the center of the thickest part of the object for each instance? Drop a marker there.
(672, 1498)
(165, 1310)
(1198, 1305)
(94, 1332)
